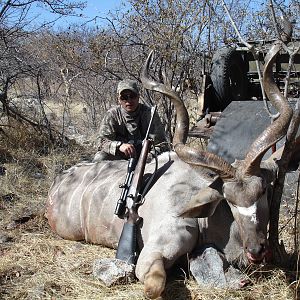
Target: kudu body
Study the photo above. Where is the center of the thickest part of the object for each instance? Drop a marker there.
(230, 210)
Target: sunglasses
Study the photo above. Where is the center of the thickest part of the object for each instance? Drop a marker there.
(127, 97)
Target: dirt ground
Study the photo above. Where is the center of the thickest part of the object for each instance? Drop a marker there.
(37, 264)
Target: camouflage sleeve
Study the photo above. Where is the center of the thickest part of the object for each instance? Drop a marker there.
(107, 134)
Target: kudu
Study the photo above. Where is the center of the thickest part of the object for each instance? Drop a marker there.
(186, 207)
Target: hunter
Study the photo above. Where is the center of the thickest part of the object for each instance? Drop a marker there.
(124, 126)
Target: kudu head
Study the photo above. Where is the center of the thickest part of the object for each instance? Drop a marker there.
(244, 184)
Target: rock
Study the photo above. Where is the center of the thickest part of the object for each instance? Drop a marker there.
(210, 268)
(235, 278)
(112, 271)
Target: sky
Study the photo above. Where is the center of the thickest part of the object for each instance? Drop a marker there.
(93, 8)
(101, 7)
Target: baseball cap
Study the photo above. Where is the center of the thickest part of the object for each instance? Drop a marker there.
(128, 84)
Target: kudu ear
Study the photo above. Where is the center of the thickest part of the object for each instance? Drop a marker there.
(203, 204)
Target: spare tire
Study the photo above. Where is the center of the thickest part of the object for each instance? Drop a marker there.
(229, 78)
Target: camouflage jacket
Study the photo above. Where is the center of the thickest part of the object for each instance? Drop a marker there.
(120, 126)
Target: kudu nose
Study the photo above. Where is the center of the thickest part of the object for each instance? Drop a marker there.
(256, 251)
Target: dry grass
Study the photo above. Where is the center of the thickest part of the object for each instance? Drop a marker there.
(37, 264)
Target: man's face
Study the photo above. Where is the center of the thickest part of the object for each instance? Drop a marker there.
(129, 100)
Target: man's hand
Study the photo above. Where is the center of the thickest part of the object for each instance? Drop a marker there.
(128, 150)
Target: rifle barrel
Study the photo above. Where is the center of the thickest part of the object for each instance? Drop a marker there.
(153, 110)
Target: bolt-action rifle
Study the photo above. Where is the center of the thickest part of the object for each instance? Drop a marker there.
(129, 201)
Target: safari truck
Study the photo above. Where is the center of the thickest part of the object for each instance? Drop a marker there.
(232, 98)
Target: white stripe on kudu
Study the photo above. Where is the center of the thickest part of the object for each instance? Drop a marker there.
(249, 212)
